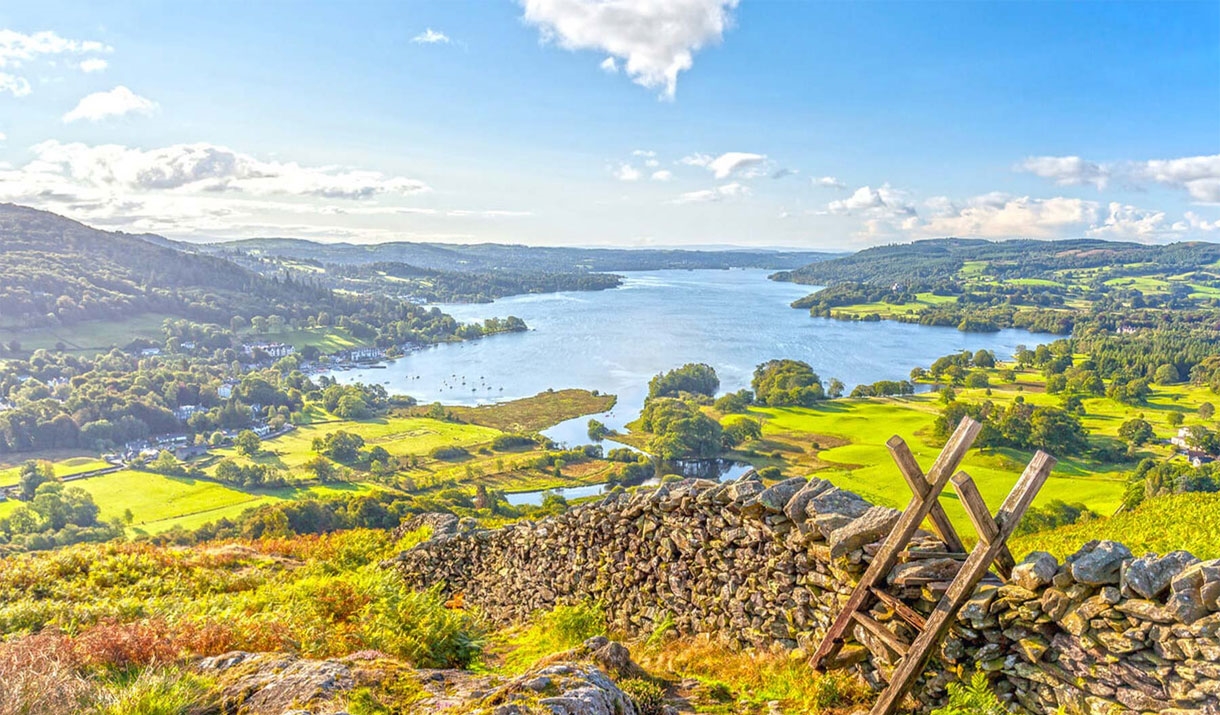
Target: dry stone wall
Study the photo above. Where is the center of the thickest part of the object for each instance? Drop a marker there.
(1103, 632)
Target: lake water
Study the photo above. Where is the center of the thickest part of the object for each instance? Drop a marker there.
(615, 340)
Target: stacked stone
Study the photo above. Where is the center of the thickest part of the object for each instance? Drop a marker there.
(1102, 632)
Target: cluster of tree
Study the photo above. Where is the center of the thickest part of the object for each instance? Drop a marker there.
(249, 476)
(348, 448)
(731, 402)
(424, 285)
(1020, 425)
(942, 259)
(1152, 479)
(680, 429)
(52, 514)
(1054, 514)
(787, 383)
(692, 378)
(884, 388)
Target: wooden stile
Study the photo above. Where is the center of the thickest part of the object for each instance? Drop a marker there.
(991, 550)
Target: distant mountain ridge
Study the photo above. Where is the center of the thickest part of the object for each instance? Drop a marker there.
(943, 258)
(57, 270)
(485, 257)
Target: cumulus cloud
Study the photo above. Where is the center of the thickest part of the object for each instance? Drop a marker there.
(431, 37)
(726, 164)
(783, 172)
(1124, 221)
(655, 40)
(830, 182)
(720, 193)
(114, 103)
(19, 49)
(999, 215)
(1067, 170)
(626, 172)
(80, 168)
(93, 64)
(661, 175)
(609, 65)
(14, 85)
(1199, 176)
(883, 201)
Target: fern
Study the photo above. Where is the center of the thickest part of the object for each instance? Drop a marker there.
(973, 698)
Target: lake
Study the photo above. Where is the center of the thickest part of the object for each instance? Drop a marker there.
(616, 340)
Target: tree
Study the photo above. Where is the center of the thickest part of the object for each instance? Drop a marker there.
(695, 378)
(1207, 410)
(984, 359)
(248, 443)
(598, 430)
(1167, 374)
(834, 389)
(741, 430)
(1174, 419)
(1135, 431)
(1056, 431)
(33, 475)
(322, 468)
(785, 383)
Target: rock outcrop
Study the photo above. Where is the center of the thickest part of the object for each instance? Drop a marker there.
(1102, 632)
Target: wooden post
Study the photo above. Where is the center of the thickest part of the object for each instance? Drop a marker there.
(963, 585)
(917, 510)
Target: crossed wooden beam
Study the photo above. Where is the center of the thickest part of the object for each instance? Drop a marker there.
(991, 549)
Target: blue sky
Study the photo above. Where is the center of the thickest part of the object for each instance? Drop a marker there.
(617, 122)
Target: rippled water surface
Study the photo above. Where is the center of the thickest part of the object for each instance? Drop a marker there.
(615, 340)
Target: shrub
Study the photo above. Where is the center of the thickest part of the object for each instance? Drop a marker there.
(418, 627)
(449, 453)
(649, 697)
(161, 692)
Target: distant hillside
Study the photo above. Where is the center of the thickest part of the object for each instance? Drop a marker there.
(58, 271)
(486, 257)
(945, 258)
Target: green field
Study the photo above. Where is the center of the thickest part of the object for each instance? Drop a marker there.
(90, 337)
(328, 340)
(159, 503)
(889, 310)
(851, 453)
(532, 414)
(1160, 525)
(63, 468)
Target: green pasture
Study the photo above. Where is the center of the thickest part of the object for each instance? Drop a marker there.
(63, 468)
(93, 336)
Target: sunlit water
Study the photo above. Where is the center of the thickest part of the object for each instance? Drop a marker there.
(615, 340)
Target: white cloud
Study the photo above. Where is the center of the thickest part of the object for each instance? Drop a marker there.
(884, 200)
(661, 175)
(655, 39)
(3, 136)
(1067, 170)
(431, 37)
(644, 152)
(1199, 176)
(696, 159)
(998, 215)
(726, 164)
(781, 173)
(78, 168)
(18, 49)
(115, 103)
(93, 64)
(1193, 222)
(719, 193)
(830, 182)
(1124, 221)
(626, 172)
(14, 85)
(609, 66)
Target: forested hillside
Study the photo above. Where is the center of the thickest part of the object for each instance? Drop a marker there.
(504, 257)
(943, 258)
(58, 271)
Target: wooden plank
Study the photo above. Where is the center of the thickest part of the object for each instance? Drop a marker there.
(918, 483)
(963, 586)
(900, 535)
(885, 635)
(980, 516)
(908, 614)
(917, 555)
